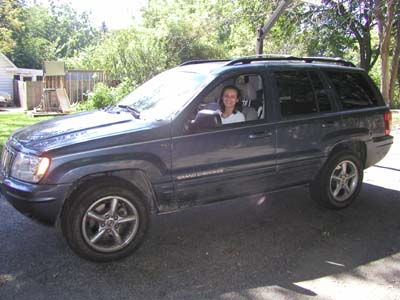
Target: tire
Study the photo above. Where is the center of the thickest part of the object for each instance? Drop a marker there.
(339, 182)
(105, 222)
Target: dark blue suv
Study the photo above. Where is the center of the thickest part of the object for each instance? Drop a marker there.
(165, 147)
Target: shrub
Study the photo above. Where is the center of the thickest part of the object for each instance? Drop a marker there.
(103, 96)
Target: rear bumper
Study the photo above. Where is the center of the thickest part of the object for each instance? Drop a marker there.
(377, 149)
(42, 203)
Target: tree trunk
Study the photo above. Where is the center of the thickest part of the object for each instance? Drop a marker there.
(360, 27)
(395, 63)
(385, 25)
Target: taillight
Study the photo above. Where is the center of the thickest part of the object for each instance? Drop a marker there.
(388, 122)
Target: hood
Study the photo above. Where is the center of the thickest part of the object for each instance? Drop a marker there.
(80, 127)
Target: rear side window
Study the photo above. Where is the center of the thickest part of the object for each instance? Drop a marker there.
(320, 92)
(301, 92)
(353, 90)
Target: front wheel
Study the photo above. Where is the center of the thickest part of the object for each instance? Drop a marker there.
(105, 223)
(339, 182)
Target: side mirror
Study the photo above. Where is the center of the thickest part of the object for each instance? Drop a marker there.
(205, 119)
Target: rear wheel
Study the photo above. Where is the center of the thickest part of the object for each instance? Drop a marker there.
(105, 223)
(339, 182)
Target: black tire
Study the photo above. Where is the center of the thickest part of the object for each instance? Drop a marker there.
(339, 182)
(104, 222)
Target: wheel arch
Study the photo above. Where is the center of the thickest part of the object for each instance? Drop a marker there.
(134, 179)
(357, 147)
(97, 187)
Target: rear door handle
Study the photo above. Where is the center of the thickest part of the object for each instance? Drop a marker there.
(327, 124)
(260, 135)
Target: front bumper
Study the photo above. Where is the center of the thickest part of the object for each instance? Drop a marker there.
(42, 203)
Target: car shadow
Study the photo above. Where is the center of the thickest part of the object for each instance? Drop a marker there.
(231, 247)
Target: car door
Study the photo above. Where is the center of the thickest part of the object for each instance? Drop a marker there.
(308, 118)
(229, 161)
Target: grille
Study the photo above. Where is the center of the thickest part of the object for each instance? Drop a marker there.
(6, 160)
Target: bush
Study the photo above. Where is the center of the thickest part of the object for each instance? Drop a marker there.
(396, 98)
(103, 96)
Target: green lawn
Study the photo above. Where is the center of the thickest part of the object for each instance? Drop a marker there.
(12, 121)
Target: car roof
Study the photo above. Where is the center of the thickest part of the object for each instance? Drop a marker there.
(218, 66)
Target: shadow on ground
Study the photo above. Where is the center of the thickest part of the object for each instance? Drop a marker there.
(208, 252)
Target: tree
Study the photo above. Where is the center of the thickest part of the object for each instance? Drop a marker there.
(10, 21)
(72, 29)
(186, 29)
(289, 34)
(358, 19)
(176, 31)
(127, 55)
(33, 45)
(44, 34)
(395, 72)
(385, 12)
(345, 21)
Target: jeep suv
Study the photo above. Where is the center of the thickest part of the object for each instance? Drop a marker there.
(101, 174)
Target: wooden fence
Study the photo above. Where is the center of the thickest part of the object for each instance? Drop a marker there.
(29, 93)
(79, 83)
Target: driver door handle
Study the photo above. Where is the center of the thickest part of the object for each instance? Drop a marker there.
(328, 124)
(260, 135)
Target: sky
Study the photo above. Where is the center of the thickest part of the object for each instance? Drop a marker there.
(116, 13)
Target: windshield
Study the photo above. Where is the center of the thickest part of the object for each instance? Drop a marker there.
(163, 95)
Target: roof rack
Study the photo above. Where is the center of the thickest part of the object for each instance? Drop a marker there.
(202, 61)
(249, 59)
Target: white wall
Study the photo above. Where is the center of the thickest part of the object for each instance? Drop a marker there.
(6, 77)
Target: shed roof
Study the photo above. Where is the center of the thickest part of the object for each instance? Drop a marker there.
(6, 59)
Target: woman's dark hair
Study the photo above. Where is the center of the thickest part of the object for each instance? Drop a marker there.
(238, 106)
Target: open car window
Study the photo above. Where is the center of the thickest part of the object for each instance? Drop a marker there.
(252, 96)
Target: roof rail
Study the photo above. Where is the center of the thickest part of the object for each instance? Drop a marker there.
(202, 61)
(263, 57)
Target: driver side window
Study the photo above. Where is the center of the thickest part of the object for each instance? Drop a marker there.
(236, 100)
(251, 99)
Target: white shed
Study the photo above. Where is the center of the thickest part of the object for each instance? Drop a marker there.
(7, 71)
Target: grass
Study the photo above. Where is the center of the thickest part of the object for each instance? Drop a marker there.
(12, 121)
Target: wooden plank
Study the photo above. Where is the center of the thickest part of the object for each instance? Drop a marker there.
(22, 94)
(63, 100)
(33, 94)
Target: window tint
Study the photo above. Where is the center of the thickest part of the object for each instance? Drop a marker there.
(301, 92)
(321, 94)
(353, 90)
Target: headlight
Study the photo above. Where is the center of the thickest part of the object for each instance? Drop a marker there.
(29, 168)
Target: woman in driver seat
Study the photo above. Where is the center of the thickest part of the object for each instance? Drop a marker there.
(229, 105)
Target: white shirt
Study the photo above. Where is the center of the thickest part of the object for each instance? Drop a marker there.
(233, 118)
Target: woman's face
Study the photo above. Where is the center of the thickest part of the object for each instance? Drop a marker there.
(230, 98)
